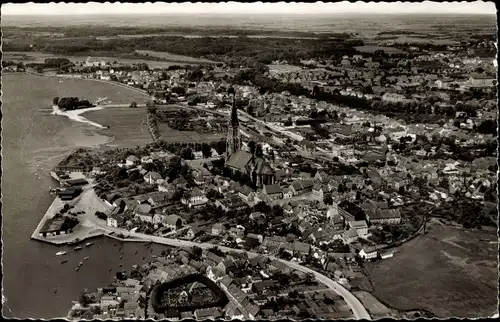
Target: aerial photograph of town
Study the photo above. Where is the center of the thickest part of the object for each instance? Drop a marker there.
(251, 161)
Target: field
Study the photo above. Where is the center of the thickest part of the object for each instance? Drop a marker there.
(449, 272)
(372, 49)
(127, 126)
(416, 40)
(284, 68)
(174, 58)
(39, 57)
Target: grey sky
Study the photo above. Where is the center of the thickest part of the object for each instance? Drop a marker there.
(478, 7)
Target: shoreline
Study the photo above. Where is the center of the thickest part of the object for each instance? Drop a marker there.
(75, 115)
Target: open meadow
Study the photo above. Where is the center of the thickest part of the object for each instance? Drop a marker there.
(174, 58)
(372, 49)
(128, 127)
(450, 272)
(39, 57)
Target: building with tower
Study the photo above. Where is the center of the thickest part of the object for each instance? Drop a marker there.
(233, 142)
(257, 169)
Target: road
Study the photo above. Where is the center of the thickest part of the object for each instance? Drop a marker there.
(356, 306)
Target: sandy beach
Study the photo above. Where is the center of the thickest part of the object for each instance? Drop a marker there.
(75, 115)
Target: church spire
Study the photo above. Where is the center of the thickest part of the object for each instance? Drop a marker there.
(234, 113)
(233, 142)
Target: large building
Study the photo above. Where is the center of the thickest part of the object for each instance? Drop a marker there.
(257, 169)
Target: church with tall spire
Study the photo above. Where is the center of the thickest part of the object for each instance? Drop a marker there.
(257, 169)
(233, 142)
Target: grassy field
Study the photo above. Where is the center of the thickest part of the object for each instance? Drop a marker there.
(448, 272)
(129, 130)
(172, 57)
(416, 40)
(284, 68)
(38, 57)
(372, 49)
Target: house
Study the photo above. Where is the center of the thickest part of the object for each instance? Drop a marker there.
(201, 176)
(288, 192)
(111, 222)
(159, 198)
(194, 198)
(144, 212)
(321, 176)
(57, 225)
(299, 187)
(232, 203)
(208, 313)
(481, 81)
(173, 222)
(368, 253)
(131, 160)
(393, 97)
(319, 190)
(159, 218)
(217, 229)
(359, 226)
(256, 215)
(153, 178)
(350, 236)
(386, 254)
(95, 62)
(245, 192)
(273, 191)
(385, 216)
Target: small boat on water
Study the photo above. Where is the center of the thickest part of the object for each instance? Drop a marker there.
(89, 244)
(64, 261)
(154, 256)
(78, 248)
(86, 258)
(74, 242)
(60, 253)
(79, 265)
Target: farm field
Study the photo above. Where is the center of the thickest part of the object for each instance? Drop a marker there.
(127, 126)
(284, 68)
(372, 49)
(39, 57)
(449, 272)
(402, 40)
(173, 57)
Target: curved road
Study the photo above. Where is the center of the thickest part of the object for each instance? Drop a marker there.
(356, 306)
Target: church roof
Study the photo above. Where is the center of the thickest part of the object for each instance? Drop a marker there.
(262, 167)
(239, 160)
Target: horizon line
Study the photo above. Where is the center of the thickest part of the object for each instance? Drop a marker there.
(261, 14)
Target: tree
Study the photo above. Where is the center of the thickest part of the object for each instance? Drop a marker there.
(258, 151)
(133, 104)
(84, 299)
(56, 100)
(206, 150)
(252, 147)
(187, 153)
(250, 109)
(328, 199)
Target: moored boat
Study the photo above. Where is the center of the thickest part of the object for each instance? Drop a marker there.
(89, 244)
(86, 258)
(64, 261)
(74, 242)
(60, 253)
(79, 265)
(78, 248)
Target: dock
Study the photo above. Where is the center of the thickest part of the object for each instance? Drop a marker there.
(56, 177)
(82, 232)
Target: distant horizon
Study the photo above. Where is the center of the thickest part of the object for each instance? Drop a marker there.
(264, 14)
(256, 8)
